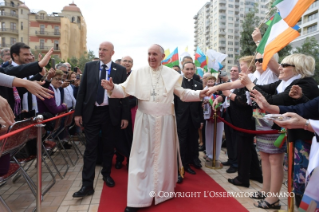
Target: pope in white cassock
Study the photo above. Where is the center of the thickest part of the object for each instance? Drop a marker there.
(155, 149)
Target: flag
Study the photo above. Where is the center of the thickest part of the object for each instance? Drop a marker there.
(167, 52)
(171, 59)
(200, 71)
(214, 60)
(278, 35)
(200, 58)
(292, 10)
(269, 21)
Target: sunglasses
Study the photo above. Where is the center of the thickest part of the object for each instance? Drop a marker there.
(260, 60)
(284, 65)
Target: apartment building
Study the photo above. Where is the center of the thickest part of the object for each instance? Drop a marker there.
(64, 31)
(218, 26)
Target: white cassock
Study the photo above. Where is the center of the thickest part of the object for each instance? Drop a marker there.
(153, 158)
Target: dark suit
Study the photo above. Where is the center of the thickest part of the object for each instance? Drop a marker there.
(105, 119)
(189, 116)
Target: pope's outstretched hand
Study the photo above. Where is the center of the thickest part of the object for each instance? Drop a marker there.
(203, 93)
(107, 84)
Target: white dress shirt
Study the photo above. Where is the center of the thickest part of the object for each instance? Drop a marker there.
(69, 99)
(106, 99)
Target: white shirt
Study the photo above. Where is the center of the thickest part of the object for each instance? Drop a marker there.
(69, 99)
(106, 99)
(267, 77)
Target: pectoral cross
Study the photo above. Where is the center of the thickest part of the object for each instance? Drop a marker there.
(153, 94)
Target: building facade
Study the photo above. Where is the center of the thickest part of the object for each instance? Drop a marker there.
(218, 26)
(65, 31)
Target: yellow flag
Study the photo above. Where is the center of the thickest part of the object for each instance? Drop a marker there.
(167, 52)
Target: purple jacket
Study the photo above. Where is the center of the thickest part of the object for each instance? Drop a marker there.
(49, 105)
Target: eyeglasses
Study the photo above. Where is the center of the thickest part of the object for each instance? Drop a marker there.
(284, 65)
(58, 79)
(260, 60)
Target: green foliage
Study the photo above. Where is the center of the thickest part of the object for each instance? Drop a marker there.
(311, 47)
(80, 62)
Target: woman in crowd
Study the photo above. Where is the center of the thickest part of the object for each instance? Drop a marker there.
(248, 166)
(296, 69)
(53, 105)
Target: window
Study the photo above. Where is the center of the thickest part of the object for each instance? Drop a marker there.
(230, 24)
(21, 39)
(3, 26)
(41, 43)
(230, 43)
(230, 31)
(230, 37)
(21, 25)
(73, 19)
(312, 17)
(230, 62)
(21, 11)
(12, 41)
(312, 28)
(56, 45)
(222, 42)
(230, 55)
(13, 13)
(41, 15)
(2, 12)
(236, 43)
(230, 49)
(56, 30)
(231, 6)
(13, 25)
(231, 12)
(3, 41)
(230, 18)
(42, 27)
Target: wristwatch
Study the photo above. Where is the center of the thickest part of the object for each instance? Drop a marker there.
(306, 125)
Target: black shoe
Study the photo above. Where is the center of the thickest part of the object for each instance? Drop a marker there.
(179, 179)
(109, 181)
(231, 169)
(201, 148)
(189, 170)
(258, 179)
(130, 209)
(84, 191)
(226, 163)
(237, 182)
(197, 163)
(118, 165)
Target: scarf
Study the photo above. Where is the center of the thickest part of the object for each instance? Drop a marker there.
(284, 84)
(17, 101)
(57, 95)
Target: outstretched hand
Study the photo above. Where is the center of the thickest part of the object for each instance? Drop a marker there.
(45, 60)
(259, 99)
(6, 112)
(211, 90)
(35, 87)
(107, 84)
(294, 122)
(203, 93)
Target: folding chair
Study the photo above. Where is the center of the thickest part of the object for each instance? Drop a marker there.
(50, 146)
(12, 145)
(67, 123)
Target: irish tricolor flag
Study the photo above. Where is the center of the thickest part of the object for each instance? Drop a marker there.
(292, 10)
(278, 35)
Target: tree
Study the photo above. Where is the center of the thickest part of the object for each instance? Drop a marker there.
(80, 62)
(311, 47)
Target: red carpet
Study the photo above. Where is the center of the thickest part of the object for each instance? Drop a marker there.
(114, 199)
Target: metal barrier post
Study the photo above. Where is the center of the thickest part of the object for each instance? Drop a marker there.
(39, 119)
(214, 164)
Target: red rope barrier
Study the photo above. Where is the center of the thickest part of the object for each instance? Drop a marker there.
(29, 126)
(260, 132)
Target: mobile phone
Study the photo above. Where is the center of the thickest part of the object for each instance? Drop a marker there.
(70, 81)
(75, 69)
(78, 76)
(53, 63)
(239, 70)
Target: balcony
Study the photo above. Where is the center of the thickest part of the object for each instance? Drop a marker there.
(9, 15)
(6, 4)
(9, 30)
(5, 45)
(48, 19)
(47, 34)
(46, 48)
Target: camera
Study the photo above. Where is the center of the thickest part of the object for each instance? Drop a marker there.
(70, 81)
(75, 69)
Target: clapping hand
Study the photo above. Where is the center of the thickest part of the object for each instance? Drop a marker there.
(107, 84)
(295, 92)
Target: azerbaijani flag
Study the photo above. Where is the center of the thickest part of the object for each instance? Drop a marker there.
(278, 35)
(200, 58)
(269, 21)
(292, 10)
(171, 59)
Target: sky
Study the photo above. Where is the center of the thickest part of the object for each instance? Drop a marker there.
(133, 25)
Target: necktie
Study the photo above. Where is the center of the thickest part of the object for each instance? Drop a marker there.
(100, 90)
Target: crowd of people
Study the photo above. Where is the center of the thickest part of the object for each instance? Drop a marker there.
(159, 118)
